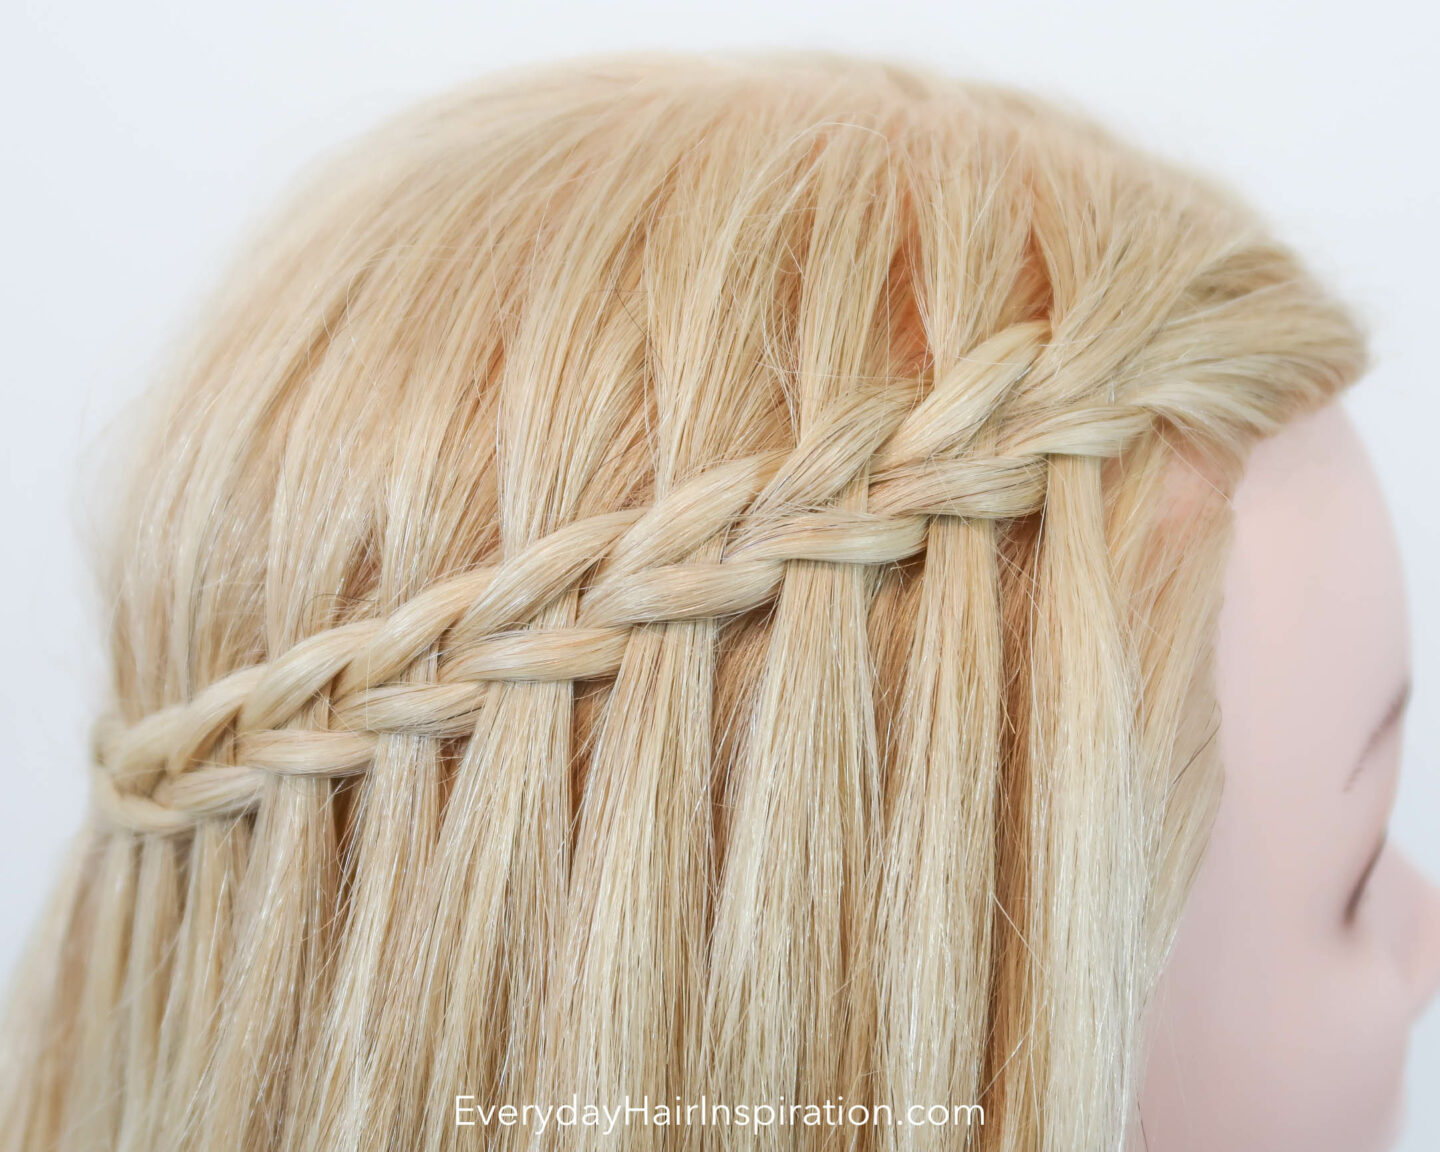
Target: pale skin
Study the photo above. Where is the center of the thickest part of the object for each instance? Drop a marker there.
(1309, 944)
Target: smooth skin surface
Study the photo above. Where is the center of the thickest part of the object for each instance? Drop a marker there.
(1310, 944)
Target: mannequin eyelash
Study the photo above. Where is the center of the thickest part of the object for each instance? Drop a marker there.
(1357, 894)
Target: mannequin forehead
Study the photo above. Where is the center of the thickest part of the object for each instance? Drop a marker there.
(1312, 640)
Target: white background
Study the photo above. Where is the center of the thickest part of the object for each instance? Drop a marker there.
(141, 140)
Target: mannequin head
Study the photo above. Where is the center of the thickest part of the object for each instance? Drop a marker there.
(1309, 942)
(674, 578)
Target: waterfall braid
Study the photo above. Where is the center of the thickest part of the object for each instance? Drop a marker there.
(686, 577)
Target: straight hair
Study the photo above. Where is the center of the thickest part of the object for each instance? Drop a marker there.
(670, 576)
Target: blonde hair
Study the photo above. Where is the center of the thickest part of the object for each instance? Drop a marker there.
(671, 576)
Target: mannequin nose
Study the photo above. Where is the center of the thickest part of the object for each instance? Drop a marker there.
(1420, 958)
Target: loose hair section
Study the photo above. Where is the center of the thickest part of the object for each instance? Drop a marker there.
(685, 577)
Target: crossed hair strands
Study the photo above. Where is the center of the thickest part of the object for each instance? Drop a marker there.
(209, 757)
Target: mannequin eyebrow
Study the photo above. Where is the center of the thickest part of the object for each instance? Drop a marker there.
(1393, 712)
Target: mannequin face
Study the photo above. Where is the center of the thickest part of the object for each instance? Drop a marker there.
(1309, 943)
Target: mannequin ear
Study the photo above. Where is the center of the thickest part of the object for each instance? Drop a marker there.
(1195, 478)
